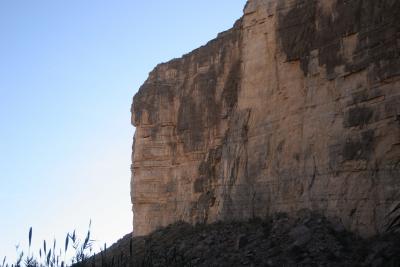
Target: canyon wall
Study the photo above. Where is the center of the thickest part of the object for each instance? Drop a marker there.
(297, 106)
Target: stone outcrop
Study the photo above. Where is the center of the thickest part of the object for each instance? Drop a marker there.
(297, 106)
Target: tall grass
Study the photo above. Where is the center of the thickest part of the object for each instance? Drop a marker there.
(78, 252)
(54, 256)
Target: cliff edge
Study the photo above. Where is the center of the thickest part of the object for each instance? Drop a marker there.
(296, 107)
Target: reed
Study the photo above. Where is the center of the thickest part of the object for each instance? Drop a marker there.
(49, 257)
(76, 252)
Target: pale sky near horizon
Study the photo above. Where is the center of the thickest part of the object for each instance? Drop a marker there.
(68, 71)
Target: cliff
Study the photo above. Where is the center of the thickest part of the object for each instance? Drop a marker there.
(297, 106)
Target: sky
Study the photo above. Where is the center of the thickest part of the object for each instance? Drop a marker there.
(68, 72)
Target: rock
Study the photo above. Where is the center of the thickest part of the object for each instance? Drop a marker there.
(338, 226)
(301, 235)
(322, 249)
(241, 242)
(270, 263)
(377, 263)
(378, 250)
(296, 106)
(273, 252)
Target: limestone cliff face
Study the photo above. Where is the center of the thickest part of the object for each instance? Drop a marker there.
(297, 106)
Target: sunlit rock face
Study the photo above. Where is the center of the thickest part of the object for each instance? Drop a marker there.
(297, 106)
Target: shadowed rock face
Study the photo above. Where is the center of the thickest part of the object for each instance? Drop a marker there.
(297, 106)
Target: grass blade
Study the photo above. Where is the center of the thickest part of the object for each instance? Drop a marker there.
(48, 257)
(30, 237)
(66, 242)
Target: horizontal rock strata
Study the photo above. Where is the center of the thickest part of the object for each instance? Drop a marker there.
(297, 106)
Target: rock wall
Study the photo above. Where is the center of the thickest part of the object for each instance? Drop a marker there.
(297, 106)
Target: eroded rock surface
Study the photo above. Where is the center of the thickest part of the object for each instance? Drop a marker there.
(297, 106)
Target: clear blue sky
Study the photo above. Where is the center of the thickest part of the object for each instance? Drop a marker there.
(68, 71)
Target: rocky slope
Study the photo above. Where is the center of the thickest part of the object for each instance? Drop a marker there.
(304, 240)
(297, 106)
